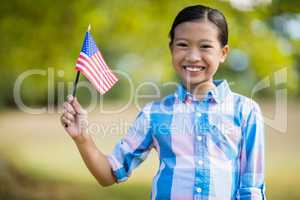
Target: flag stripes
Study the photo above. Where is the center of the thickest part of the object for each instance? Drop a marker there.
(92, 65)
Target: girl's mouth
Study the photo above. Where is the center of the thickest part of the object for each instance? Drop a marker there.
(194, 68)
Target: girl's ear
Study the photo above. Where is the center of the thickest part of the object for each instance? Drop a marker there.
(224, 53)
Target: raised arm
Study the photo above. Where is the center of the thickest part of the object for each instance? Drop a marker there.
(74, 120)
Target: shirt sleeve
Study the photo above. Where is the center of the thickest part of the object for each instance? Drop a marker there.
(133, 148)
(252, 157)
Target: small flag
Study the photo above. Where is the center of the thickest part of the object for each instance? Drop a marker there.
(92, 65)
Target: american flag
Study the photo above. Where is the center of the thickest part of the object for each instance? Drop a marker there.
(92, 65)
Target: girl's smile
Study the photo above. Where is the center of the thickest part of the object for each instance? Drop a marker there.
(194, 68)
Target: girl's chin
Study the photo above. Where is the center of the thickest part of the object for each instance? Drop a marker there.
(196, 81)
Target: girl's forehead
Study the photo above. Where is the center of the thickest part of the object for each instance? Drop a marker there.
(196, 29)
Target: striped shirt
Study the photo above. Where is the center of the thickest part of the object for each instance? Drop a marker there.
(211, 149)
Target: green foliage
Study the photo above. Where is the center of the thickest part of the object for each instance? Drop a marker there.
(133, 37)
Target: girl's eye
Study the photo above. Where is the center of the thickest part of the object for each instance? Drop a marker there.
(181, 44)
(206, 46)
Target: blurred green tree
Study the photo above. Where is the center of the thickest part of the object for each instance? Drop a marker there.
(133, 36)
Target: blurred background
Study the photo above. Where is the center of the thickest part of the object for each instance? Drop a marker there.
(40, 42)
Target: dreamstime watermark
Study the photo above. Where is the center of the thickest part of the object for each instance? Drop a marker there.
(137, 96)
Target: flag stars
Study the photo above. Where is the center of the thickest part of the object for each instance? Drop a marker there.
(89, 45)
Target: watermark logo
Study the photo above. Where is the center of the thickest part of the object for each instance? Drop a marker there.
(137, 96)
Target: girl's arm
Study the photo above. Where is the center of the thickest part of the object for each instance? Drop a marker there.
(95, 161)
(252, 158)
(74, 120)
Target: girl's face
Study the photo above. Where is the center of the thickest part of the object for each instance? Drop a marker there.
(197, 52)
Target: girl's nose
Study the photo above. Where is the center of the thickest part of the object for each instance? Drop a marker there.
(193, 56)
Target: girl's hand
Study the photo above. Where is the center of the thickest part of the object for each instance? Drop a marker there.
(74, 119)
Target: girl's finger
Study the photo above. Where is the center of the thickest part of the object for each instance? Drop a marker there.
(70, 98)
(69, 108)
(64, 121)
(69, 116)
(68, 122)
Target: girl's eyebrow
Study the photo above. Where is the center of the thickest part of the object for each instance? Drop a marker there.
(203, 40)
(206, 40)
(180, 39)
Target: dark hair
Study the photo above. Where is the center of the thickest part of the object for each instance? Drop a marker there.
(200, 12)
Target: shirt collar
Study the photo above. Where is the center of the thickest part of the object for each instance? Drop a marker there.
(217, 94)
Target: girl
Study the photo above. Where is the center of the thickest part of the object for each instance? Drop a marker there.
(210, 140)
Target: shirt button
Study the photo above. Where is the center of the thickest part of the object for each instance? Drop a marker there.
(198, 190)
(199, 138)
(198, 114)
(200, 162)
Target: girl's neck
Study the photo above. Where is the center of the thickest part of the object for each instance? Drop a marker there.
(199, 90)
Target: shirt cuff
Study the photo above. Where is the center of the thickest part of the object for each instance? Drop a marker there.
(251, 193)
(118, 170)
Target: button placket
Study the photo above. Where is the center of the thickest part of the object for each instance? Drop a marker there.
(199, 145)
(202, 173)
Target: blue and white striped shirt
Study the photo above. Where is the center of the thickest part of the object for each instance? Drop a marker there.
(211, 149)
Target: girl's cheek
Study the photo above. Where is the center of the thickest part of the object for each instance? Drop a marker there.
(179, 55)
(174, 53)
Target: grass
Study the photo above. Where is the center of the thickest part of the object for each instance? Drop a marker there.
(45, 164)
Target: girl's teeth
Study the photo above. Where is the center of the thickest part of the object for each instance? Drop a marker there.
(195, 69)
